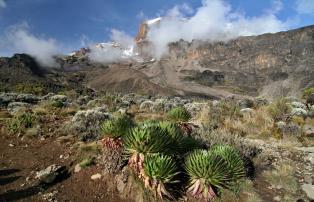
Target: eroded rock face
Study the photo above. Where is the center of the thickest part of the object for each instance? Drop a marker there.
(271, 65)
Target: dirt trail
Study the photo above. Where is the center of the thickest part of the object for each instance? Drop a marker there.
(20, 159)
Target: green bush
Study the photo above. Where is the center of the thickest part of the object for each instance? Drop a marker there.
(279, 108)
(20, 122)
(87, 162)
(147, 140)
(117, 127)
(160, 170)
(211, 170)
(308, 91)
(57, 104)
(33, 88)
(233, 159)
(178, 114)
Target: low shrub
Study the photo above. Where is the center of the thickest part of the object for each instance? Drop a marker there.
(57, 104)
(117, 127)
(32, 88)
(307, 92)
(20, 122)
(178, 114)
(279, 108)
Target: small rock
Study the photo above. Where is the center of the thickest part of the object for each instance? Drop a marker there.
(309, 190)
(11, 145)
(246, 110)
(96, 176)
(277, 198)
(49, 174)
(77, 168)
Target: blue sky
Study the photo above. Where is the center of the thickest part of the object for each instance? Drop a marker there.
(70, 21)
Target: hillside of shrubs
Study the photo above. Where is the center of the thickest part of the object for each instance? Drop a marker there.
(180, 149)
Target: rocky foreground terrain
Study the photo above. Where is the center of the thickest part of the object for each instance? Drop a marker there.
(225, 121)
(56, 147)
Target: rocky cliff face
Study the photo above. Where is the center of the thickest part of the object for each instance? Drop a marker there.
(269, 65)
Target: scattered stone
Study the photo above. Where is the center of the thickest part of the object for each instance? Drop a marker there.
(11, 145)
(6, 98)
(28, 98)
(77, 168)
(215, 103)
(49, 174)
(246, 110)
(309, 190)
(14, 107)
(61, 98)
(277, 198)
(96, 176)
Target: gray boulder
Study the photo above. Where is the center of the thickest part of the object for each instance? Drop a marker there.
(61, 98)
(28, 98)
(50, 174)
(14, 107)
(6, 98)
(246, 111)
(309, 190)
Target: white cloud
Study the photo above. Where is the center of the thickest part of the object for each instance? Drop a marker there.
(305, 7)
(179, 10)
(213, 21)
(120, 50)
(122, 38)
(19, 40)
(2, 4)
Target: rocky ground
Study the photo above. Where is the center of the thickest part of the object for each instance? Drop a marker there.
(51, 148)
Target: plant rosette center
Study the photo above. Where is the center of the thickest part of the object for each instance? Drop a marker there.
(200, 190)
